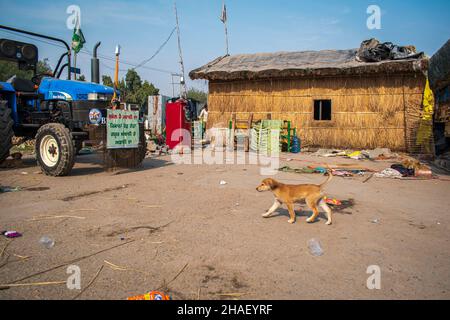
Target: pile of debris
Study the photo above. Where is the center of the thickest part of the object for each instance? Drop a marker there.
(376, 154)
(374, 51)
(408, 168)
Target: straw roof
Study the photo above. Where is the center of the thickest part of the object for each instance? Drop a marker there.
(300, 64)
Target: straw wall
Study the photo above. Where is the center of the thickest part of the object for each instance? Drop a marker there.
(367, 112)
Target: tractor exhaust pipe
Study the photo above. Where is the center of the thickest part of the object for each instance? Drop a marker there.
(95, 65)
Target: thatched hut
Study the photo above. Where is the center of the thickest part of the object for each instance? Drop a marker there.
(334, 100)
(440, 81)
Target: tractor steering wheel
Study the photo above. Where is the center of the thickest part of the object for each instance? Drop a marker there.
(37, 78)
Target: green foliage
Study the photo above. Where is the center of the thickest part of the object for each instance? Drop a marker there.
(8, 69)
(141, 95)
(81, 78)
(197, 95)
(133, 81)
(107, 81)
(132, 89)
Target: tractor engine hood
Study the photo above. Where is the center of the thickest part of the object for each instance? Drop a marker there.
(69, 90)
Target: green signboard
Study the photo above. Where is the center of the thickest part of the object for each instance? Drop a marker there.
(122, 129)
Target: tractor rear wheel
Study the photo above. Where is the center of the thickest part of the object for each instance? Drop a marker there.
(55, 151)
(6, 130)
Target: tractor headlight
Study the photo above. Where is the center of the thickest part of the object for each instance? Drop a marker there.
(98, 97)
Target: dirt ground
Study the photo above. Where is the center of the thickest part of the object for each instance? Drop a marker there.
(195, 238)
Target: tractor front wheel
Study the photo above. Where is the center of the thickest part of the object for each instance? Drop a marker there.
(6, 130)
(55, 151)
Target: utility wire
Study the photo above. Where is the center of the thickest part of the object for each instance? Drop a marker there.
(157, 51)
(134, 65)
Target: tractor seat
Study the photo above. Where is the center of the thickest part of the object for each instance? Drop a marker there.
(23, 85)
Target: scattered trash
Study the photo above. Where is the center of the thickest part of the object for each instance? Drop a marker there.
(389, 173)
(309, 169)
(376, 221)
(333, 202)
(376, 154)
(405, 172)
(357, 155)
(342, 173)
(5, 189)
(423, 172)
(315, 248)
(344, 204)
(24, 173)
(11, 234)
(320, 170)
(296, 170)
(289, 160)
(47, 242)
(327, 153)
(368, 178)
(153, 295)
(409, 168)
(223, 182)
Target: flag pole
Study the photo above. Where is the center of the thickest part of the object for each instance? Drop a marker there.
(75, 65)
(224, 19)
(226, 37)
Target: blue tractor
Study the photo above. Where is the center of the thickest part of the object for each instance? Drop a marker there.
(60, 114)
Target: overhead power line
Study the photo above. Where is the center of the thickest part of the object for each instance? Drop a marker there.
(103, 56)
(157, 51)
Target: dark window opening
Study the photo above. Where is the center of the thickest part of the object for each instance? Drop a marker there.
(322, 110)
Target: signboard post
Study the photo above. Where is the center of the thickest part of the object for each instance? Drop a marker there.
(122, 129)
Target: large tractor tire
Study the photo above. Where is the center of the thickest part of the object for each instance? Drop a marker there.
(127, 158)
(6, 130)
(55, 151)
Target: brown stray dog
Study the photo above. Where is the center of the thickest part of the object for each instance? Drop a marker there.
(290, 194)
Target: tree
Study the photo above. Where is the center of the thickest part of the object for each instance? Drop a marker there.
(133, 81)
(197, 95)
(132, 89)
(107, 81)
(82, 78)
(141, 96)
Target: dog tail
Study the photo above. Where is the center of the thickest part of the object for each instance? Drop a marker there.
(330, 177)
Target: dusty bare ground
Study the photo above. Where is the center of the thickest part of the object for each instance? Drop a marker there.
(180, 215)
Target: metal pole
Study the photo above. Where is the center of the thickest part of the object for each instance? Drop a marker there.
(226, 30)
(226, 38)
(75, 66)
(173, 87)
(183, 92)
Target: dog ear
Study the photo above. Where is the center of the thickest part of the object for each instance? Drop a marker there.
(271, 183)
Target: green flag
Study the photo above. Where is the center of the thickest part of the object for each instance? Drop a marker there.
(77, 39)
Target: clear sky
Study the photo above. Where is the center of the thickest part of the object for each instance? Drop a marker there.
(141, 26)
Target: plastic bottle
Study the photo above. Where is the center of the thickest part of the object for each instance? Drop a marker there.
(315, 248)
(295, 147)
(47, 242)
